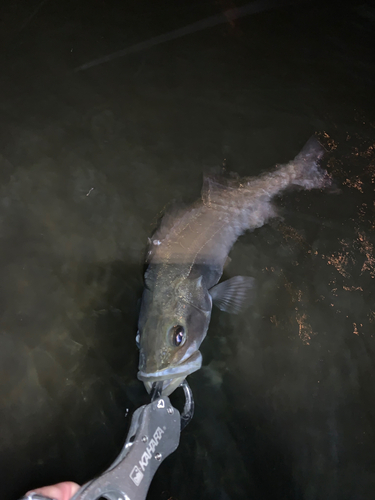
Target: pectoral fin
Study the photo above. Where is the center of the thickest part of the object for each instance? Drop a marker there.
(233, 295)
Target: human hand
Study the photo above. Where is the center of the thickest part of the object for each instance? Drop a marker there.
(60, 491)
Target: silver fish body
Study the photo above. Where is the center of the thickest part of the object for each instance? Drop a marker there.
(186, 258)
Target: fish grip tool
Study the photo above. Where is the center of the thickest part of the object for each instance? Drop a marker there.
(153, 435)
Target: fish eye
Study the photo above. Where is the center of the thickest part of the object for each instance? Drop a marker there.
(177, 335)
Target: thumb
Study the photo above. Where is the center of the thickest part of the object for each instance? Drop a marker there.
(60, 491)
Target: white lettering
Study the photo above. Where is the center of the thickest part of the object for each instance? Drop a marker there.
(147, 455)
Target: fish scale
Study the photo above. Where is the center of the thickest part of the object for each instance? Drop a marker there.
(186, 258)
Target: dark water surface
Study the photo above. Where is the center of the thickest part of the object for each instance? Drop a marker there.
(285, 400)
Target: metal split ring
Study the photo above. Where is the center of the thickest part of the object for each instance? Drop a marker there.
(188, 411)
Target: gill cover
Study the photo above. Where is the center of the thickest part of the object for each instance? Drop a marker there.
(183, 309)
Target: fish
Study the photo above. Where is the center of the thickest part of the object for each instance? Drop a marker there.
(185, 260)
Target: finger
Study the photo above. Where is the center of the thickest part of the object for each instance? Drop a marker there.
(60, 491)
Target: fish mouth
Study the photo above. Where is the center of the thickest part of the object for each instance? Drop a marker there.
(172, 377)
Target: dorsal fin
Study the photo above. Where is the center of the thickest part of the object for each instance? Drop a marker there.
(218, 186)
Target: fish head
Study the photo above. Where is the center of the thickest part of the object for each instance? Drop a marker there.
(172, 325)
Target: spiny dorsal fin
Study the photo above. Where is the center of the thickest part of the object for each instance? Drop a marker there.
(216, 184)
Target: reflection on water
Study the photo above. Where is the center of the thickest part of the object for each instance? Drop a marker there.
(284, 401)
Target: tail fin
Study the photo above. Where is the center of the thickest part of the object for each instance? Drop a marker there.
(305, 170)
(311, 151)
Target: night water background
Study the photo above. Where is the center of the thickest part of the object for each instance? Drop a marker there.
(88, 159)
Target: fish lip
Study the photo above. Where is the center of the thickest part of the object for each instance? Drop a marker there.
(171, 379)
(190, 365)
